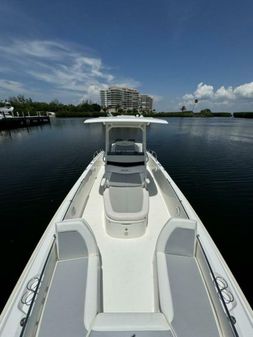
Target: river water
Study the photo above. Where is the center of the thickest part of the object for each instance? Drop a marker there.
(210, 159)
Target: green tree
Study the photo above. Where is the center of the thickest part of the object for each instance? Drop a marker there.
(28, 106)
(183, 108)
(206, 111)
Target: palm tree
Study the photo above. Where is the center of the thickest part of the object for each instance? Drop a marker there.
(104, 109)
(117, 108)
(195, 102)
(183, 108)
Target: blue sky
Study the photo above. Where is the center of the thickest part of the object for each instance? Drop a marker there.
(174, 50)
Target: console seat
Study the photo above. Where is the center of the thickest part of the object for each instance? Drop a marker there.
(126, 201)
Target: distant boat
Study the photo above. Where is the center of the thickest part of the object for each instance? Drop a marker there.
(6, 111)
(50, 113)
(126, 255)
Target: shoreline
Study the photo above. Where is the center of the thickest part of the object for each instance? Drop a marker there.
(169, 115)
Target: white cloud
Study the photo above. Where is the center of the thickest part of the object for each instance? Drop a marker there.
(60, 67)
(36, 48)
(221, 98)
(12, 86)
(204, 91)
(224, 94)
(188, 97)
(244, 90)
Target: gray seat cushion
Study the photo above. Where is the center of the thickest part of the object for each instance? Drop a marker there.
(193, 316)
(130, 180)
(125, 147)
(181, 242)
(130, 333)
(126, 203)
(64, 308)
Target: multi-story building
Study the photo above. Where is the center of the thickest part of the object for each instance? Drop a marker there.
(103, 98)
(116, 98)
(146, 103)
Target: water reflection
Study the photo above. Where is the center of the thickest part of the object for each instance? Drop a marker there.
(214, 129)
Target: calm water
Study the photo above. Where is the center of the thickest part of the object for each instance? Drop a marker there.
(211, 160)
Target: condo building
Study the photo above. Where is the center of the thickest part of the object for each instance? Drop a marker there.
(146, 103)
(116, 98)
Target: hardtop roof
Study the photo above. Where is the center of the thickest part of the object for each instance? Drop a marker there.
(125, 119)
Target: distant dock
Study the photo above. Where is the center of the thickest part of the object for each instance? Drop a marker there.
(21, 122)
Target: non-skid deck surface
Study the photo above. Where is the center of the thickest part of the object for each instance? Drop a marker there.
(128, 280)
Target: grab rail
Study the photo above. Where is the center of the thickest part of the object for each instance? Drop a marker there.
(96, 153)
(24, 321)
(231, 319)
(154, 154)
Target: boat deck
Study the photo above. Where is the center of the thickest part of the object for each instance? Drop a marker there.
(131, 277)
(124, 256)
(127, 263)
(156, 284)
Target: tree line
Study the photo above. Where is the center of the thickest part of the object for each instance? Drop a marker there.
(26, 106)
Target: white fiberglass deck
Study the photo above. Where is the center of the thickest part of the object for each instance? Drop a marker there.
(127, 263)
